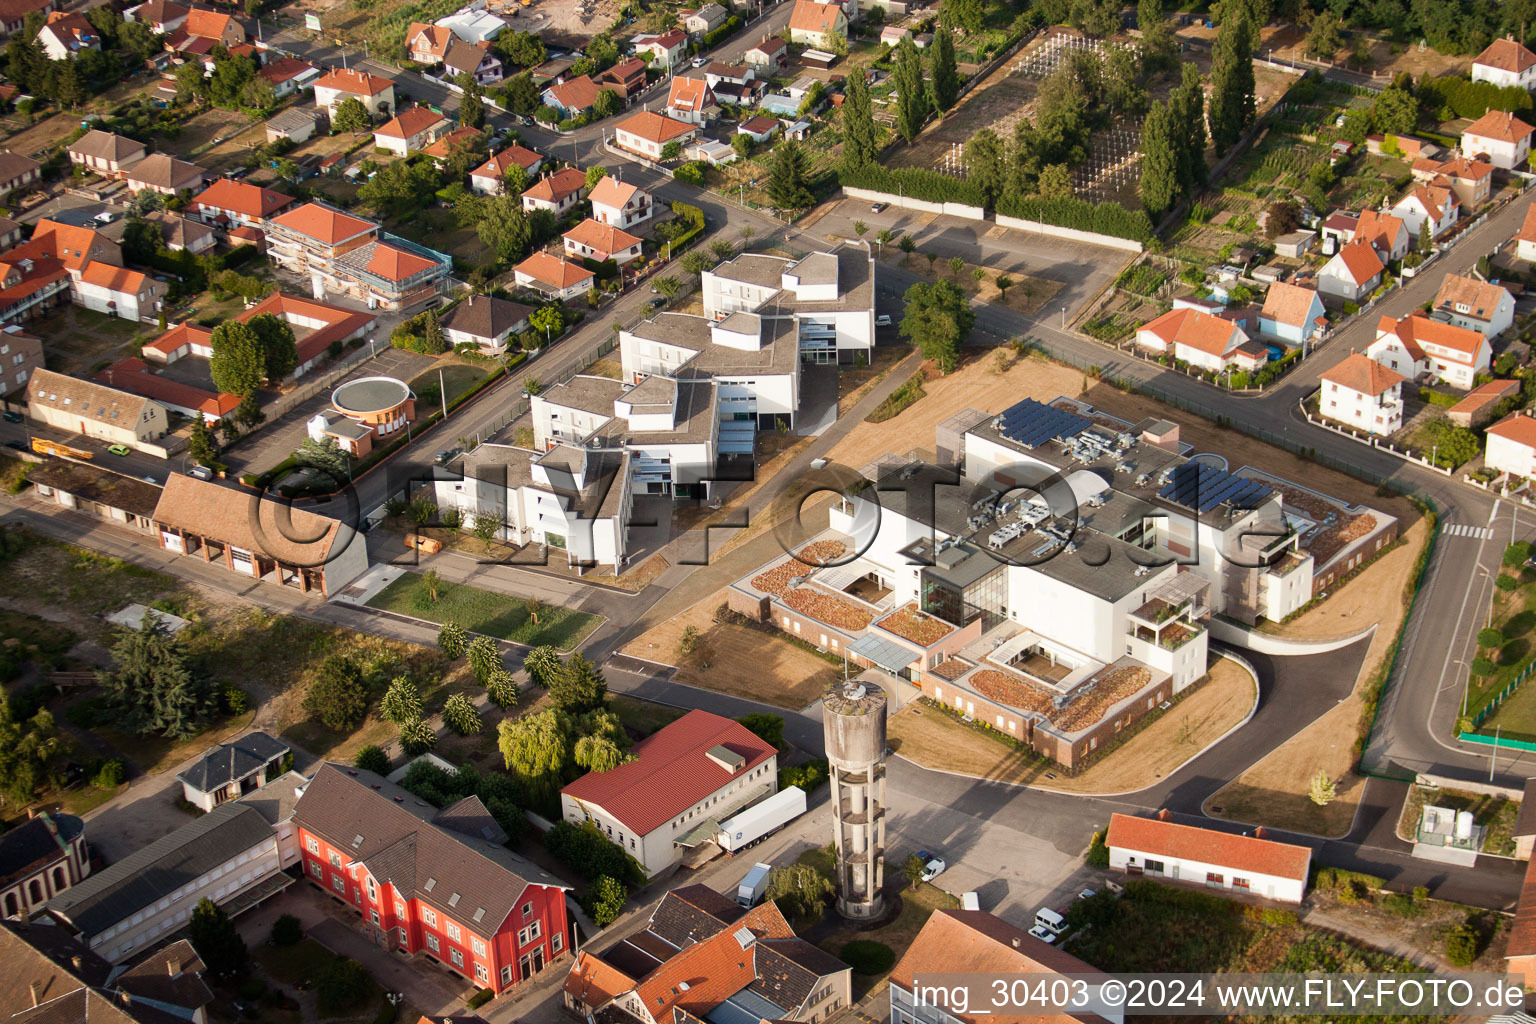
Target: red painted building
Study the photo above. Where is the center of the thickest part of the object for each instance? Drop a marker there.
(429, 881)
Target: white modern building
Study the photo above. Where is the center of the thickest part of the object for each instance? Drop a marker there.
(1362, 393)
(830, 295)
(754, 360)
(1160, 848)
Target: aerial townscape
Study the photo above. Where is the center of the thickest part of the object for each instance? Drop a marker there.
(509, 510)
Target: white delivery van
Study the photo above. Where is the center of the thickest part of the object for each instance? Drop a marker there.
(1051, 921)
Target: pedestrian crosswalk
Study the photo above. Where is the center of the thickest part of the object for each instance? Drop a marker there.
(1463, 530)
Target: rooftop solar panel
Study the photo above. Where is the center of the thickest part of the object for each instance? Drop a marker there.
(1031, 423)
(1202, 487)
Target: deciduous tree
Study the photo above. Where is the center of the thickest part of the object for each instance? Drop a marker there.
(402, 701)
(484, 656)
(541, 664)
(1159, 161)
(218, 945)
(861, 140)
(452, 638)
(911, 95)
(944, 77)
(461, 715)
(338, 698)
(351, 116)
(1232, 97)
(238, 364)
(937, 320)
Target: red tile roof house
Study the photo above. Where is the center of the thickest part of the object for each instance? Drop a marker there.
(248, 534)
(135, 376)
(552, 277)
(288, 75)
(413, 129)
(556, 192)
(1499, 137)
(1471, 180)
(1352, 273)
(443, 148)
(425, 889)
(572, 97)
(1195, 337)
(619, 203)
(1479, 405)
(703, 957)
(1512, 447)
(975, 942)
(316, 325)
(625, 78)
(1521, 951)
(490, 178)
(426, 44)
(377, 94)
(648, 133)
(700, 768)
(690, 100)
(349, 255)
(1161, 848)
(590, 240)
(228, 204)
(1418, 346)
(1505, 63)
(162, 16)
(1363, 394)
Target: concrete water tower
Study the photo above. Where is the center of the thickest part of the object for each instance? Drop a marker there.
(854, 721)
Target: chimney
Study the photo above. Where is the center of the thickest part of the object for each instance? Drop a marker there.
(1261, 833)
(77, 962)
(1017, 942)
(1165, 815)
(173, 966)
(37, 992)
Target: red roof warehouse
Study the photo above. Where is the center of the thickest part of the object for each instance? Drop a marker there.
(427, 881)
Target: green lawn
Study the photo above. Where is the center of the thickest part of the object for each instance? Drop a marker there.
(643, 716)
(484, 611)
(64, 576)
(457, 378)
(1514, 615)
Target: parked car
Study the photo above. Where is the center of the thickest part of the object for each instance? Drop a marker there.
(933, 866)
(200, 473)
(12, 417)
(656, 303)
(118, 449)
(1087, 894)
(699, 62)
(16, 445)
(878, 207)
(883, 320)
(1043, 934)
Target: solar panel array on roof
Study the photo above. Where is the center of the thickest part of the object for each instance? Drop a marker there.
(1031, 423)
(1201, 487)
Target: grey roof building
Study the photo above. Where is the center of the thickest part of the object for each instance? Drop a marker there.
(230, 770)
(485, 321)
(229, 855)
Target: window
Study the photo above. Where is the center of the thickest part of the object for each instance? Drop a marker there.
(481, 974)
(400, 910)
(373, 890)
(339, 884)
(335, 859)
(557, 941)
(506, 975)
(1213, 877)
(456, 956)
(403, 939)
(312, 844)
(479, 947)
(316, 869)
(432, 942)
(373, 915)
(527, 909)
(453, 932)
(429, 915)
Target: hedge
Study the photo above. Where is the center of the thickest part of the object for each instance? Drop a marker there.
(1080, 215)
(728, 28)
(1473, 99)
(916, 182)
(695, 216)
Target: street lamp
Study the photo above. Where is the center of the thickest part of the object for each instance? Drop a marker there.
(1063, 317)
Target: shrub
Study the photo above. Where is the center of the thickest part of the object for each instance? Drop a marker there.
(868, 957)
(766, 727)
(1483, 667)
(588, 851)
(372, 759)
(1516, 554)
(110, 775)
(1506, 582)
(1490, 637)
(1401, 905)
(479, 999)
(605, 900)
(1461, 945)
(1098, 851)
(286, 931)
(235, 700)
(806, 776)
